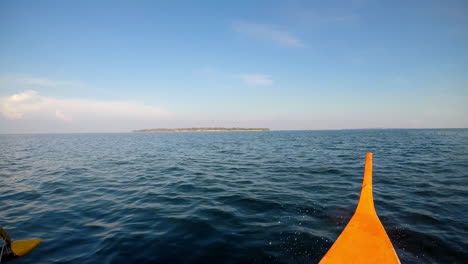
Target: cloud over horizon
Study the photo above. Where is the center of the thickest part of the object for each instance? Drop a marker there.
(33, 107)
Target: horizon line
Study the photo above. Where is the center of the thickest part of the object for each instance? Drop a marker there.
(271, 130)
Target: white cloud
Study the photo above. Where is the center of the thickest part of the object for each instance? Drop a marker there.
(34, 81)
(30, 105)
(256, 79)
(16, 106)
(45, 82)
(249, 79)
(267, 32)
(63, 116)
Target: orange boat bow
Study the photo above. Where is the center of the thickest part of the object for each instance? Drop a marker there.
(364, 239)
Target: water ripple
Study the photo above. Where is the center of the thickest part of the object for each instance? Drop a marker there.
(260, 197)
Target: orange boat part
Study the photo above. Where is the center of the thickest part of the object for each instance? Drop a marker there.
(23, 247)
(364, 239)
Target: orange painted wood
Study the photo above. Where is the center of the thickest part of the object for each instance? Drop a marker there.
(364, 239)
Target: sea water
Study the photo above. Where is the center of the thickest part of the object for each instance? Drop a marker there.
(231, 197)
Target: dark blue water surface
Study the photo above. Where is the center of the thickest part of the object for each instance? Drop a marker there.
(231, 197)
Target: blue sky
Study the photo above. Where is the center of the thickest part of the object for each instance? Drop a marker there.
(114, 66)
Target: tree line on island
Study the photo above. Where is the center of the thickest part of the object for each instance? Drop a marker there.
(200, 129)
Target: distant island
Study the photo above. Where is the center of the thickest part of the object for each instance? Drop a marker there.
(200, 129)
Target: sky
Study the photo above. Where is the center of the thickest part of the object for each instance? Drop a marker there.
(116, 66)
